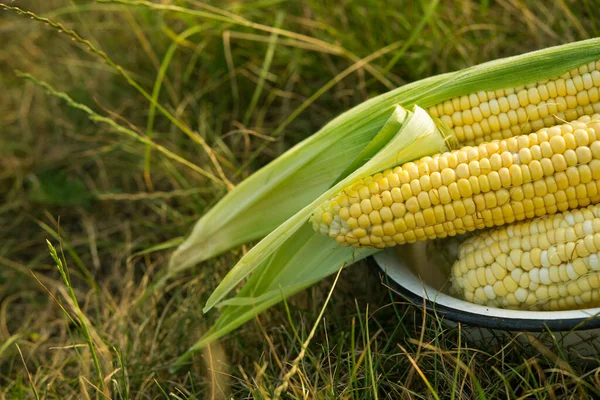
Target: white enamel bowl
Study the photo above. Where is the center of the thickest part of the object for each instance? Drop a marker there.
(577, 331)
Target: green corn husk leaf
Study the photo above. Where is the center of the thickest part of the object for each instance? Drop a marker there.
(294, 256)
(303, 260)
(416, 135)
(282, 188)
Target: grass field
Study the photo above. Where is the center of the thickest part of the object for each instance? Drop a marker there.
(114, 206)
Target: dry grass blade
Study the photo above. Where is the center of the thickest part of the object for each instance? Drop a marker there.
(216, 358)
(119, 128)
(282, 388)
(35, 392)
(420, 372)
(240, 21)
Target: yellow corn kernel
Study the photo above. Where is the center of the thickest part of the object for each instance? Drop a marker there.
(511, 186)
(483, 117)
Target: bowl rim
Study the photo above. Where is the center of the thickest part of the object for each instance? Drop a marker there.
(415, 291)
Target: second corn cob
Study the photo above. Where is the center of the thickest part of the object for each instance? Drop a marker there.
(493, 184)
(550, 263)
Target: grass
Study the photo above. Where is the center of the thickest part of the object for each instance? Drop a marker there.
(186, 100)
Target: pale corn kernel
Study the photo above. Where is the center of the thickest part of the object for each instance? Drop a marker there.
(558, 274)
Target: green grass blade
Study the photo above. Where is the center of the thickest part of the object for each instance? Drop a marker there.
(263, 71)
(162, 72)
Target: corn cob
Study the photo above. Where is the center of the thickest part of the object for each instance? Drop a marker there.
(493, 184)
(551, 263)
(494, 115)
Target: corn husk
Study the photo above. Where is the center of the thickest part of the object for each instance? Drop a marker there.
(280, 198)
